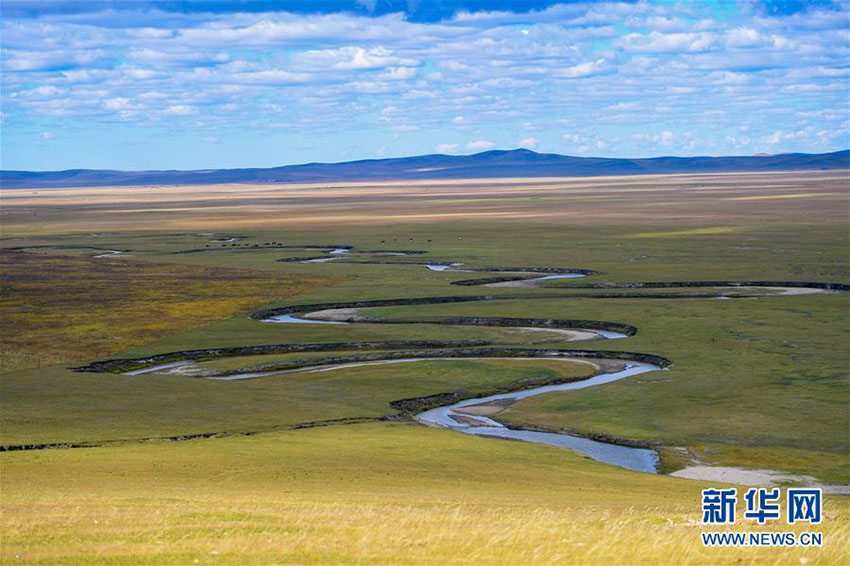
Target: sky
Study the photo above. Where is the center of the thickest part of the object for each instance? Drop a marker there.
(133, 84)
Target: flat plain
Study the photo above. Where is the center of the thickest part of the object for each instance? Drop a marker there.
(705, 200)
(317, 467)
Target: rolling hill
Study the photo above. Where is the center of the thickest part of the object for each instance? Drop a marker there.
(488, 164)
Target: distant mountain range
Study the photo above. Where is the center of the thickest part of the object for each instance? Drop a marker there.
(488, 164)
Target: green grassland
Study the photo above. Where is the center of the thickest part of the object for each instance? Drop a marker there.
(758, 383)
(51, 407)
(774, 374)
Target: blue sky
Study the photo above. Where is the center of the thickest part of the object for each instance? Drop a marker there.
(210, 84)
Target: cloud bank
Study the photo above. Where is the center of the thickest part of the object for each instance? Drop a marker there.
(144, 87)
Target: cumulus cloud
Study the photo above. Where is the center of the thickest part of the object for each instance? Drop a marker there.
(664, 139)
(626, 78)
(398, 73)
(118, 103)
(658, 42)
(350, 59)
(35, 60)
(180, 110)
(480, 145)
(586, 69)
(175, 57)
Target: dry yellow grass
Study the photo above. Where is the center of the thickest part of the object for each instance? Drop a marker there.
(311, 497)
(374, 530)
(686, 199)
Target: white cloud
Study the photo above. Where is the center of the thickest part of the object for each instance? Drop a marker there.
(804, 133)
(446, 148)
(506, 82)
(480, 145)
(175, 57)
(455, 66)
(773, 138)
(45, 91)
(530, 143)
(398, 73)
(586, 69)
(663, 23)
(350, 59)
(295, 30)
(34, 60)
(665, 138)
(623, 106)
(153, 95)
(738, 140)
(118, 103)
(743, 37)
(663, 67)
(180, 110)
(657, 42)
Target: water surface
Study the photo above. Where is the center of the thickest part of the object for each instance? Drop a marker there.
(637, 459)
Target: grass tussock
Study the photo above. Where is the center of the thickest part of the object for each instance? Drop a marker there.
(59, 309)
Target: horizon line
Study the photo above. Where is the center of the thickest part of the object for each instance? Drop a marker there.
(449, 155)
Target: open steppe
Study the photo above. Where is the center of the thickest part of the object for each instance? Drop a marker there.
(704, 200)
(323, 467)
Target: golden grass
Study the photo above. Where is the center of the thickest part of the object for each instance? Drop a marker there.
(58, 309)
(692, 232)
(375, 530)
(364, 494)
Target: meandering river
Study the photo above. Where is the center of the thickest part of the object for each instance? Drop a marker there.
(454, 417)
(477, 416)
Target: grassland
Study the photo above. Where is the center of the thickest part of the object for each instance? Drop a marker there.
(62, 309)
(95, 407)
(758, 383)
(372, 493)
(774, 376)
(696, 201)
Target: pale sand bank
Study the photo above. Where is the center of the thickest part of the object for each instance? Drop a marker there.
(742, 476)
